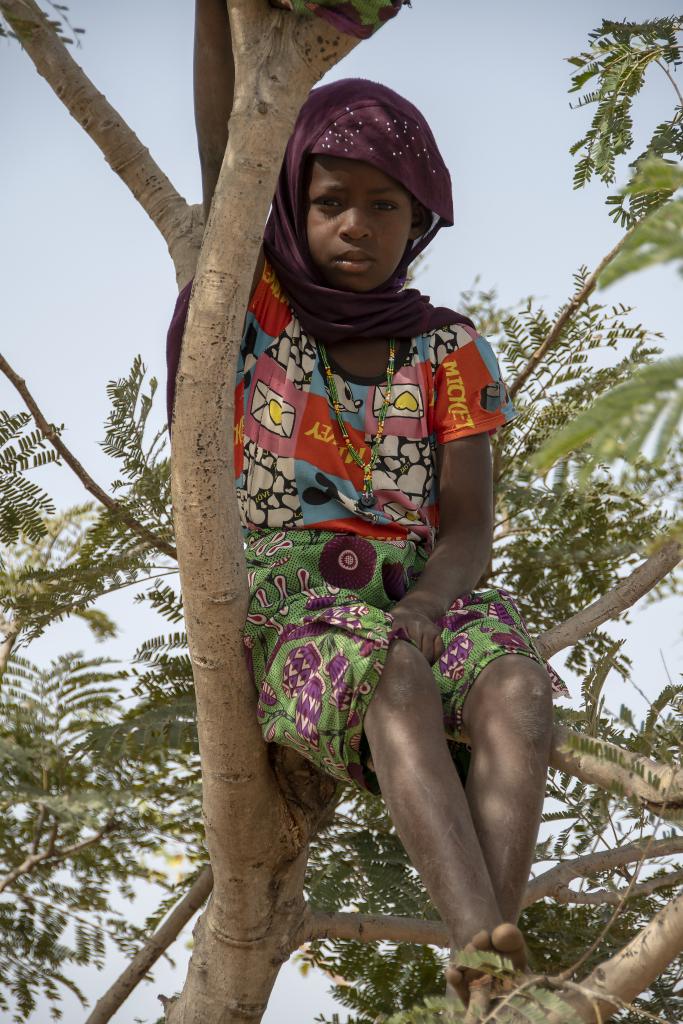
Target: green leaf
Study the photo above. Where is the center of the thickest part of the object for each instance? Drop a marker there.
(647, 407)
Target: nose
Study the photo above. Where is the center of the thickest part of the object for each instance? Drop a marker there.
(354, 224)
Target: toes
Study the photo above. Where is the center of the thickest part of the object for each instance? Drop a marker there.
(508, 940)
(456, 986)
(481, 941)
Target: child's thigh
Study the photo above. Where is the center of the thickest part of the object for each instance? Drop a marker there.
(315, 679)
(478, 628)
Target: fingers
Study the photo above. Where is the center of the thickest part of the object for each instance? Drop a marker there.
(421, 632)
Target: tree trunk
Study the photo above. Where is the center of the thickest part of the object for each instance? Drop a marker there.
(256, 837)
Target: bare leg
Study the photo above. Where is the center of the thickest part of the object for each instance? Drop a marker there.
(508, 717)
(427, 803)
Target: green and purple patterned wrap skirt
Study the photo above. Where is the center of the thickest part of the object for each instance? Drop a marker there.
(317, 633)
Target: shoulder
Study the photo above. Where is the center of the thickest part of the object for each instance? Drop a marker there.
(444, 341)
(471, 396)
(462, 344)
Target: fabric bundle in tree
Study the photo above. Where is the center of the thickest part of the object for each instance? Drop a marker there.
(355, 17)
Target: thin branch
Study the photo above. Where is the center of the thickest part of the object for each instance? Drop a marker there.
(38, 828)
(53, 437)
(585, 956)
(153, 948)
(378, 928)
(646, 576)
(671, 79)
(53, 853)
(617, 897)
(555, 332)
(10, 638)
(180, 224)
(556, 879)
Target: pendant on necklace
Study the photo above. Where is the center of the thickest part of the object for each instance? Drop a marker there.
(367, 500)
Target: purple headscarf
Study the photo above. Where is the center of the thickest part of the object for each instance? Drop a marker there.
(362, 120)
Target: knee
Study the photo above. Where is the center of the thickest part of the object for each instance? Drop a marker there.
(513, 690)
(407, 682)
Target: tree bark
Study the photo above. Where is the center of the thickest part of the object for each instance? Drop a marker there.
(154, 947)
(256, 838)
(630, 971)
(656, 786)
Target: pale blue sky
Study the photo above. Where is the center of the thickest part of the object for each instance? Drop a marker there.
(88, 283)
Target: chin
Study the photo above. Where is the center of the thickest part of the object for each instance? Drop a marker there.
(349, 282)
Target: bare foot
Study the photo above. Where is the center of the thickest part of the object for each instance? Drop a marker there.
(506, 940)
(459, 979)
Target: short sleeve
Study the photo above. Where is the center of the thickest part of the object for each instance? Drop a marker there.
(470, 394)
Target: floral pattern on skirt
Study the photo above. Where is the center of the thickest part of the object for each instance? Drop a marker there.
(317, 633)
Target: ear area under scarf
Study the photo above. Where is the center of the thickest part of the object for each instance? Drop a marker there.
(421, 219)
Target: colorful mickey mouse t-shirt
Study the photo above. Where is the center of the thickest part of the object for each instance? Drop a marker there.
(292, 466)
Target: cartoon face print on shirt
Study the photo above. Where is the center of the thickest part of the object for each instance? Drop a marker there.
(345, 394)
(449, 339)
(270, 494)
(405, 465)
(295, 352)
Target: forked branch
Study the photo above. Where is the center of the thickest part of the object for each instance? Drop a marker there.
(617, 897)
(558, 878)
(54, 853)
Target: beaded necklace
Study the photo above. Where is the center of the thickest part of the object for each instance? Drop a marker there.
(366, 499)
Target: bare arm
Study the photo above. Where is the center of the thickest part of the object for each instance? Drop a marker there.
(464, 544)
(463, 547)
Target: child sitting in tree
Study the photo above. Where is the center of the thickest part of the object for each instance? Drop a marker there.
(363, 465)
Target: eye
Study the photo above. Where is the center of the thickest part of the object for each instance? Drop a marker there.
(326, 201)
(384, 204)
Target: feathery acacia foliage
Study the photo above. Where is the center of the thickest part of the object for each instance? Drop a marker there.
(658, 236)
(23, 504)
(644, 411)
(77, 805)
(56, 798)
(611, 73)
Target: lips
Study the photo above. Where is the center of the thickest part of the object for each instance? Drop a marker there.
(353, 262)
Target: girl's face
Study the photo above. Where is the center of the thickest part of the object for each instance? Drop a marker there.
(359, 222)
